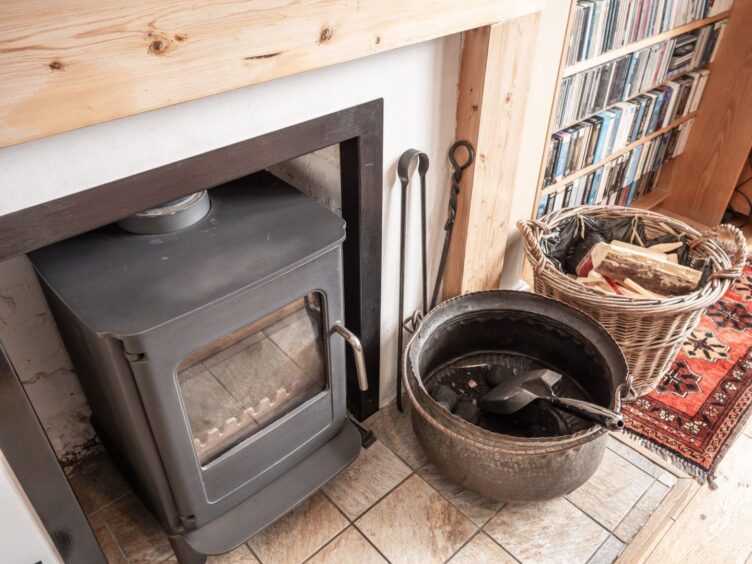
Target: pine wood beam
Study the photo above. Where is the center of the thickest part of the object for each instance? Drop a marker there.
(65, 65)
(494, 89)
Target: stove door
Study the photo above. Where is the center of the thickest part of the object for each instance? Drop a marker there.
(243, 382)
(238, 393)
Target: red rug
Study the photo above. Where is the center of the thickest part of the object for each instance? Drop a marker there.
(703, 402)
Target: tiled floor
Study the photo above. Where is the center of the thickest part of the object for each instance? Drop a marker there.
(392, 505)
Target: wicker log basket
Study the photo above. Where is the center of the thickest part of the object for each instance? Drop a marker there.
(649, 331)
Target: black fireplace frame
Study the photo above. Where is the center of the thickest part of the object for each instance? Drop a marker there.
(359, 133)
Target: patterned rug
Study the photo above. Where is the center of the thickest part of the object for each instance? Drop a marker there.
(703, 402)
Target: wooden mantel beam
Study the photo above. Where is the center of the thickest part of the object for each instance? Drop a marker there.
(494, 88)
(65, 65)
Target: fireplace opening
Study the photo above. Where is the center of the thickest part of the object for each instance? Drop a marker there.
(213, 352)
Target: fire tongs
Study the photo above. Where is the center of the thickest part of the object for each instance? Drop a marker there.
(403, 172)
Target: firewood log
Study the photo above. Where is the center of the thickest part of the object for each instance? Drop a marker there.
(653, 273)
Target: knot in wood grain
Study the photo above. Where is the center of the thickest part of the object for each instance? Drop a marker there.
(326, 34)
(160, 44)
(56, 66)
(157, 46)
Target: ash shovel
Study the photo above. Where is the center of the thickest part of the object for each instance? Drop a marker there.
(518, 391)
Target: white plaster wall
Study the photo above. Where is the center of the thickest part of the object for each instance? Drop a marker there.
(23, 537)
(419, 87)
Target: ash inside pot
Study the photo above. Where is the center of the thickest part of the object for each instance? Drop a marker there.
(470, 377)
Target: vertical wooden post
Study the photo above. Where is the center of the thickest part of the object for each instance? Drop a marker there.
(494, 88)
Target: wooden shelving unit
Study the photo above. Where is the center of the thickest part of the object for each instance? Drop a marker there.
(637, 45)
(590, 168)
(722, 118)
(554, 129)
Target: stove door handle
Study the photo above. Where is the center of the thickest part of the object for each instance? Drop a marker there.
(354, 342)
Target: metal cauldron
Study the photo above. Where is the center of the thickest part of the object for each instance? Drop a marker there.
(503, 467)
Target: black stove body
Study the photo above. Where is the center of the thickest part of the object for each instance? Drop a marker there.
(210, 360)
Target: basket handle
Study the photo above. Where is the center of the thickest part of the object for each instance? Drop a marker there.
(531, 230)
(740, 250)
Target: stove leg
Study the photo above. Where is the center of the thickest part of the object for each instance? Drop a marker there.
(184, 553)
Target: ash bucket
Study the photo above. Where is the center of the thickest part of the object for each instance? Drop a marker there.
(542, 453)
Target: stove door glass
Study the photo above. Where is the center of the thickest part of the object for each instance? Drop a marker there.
(244, 381)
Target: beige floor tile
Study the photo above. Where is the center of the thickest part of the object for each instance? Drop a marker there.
(608, 551)
(376, 471)
(136, 531)
(300, 533)
(642, 510)
(415, 524)
(478, 508)
(635, 457)
(395, 430)
(349, 547)
(549, 531)
(107, 542)
(97, 482)
(482, 549)
(612, 491)
(715, 525)
(748, 428)
(667, 479)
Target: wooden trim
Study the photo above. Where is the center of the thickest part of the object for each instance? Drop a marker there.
(702, 179)
(62, 68)
(648, 537)
(358, 131)
(645, 541)
(590, 168)
(637, 45)
(494, 88)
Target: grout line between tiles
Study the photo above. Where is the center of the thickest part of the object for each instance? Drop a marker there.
(327, 543)
(635, 505)
(589, 517)
(597, 549)
(114, 538)
(624, 545)
(376, 548)
(367, 509)
(118, 499)
(450, 502)
(463, 545)
(633, 464)
(504, 548)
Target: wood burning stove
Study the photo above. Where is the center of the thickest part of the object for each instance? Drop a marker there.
(210, 358)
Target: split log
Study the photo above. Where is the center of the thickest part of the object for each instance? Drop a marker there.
(639, 290)
(666, 247)
(654, 251)
(655, 274)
